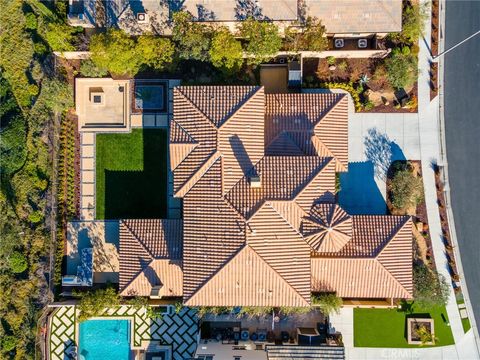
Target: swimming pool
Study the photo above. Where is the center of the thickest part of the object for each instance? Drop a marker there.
(104, 340)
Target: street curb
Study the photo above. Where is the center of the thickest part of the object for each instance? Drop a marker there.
(444, 163)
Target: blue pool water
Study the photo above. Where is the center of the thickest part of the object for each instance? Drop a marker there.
(104, 340)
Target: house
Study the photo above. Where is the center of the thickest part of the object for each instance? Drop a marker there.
(256, 174)
(342, 18)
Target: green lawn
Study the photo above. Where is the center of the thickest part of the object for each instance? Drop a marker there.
(387, 327)
(465, 322)
(131, 175)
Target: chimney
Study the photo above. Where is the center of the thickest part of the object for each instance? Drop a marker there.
(255, 181)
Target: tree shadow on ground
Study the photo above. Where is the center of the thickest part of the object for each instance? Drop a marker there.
(381, 152)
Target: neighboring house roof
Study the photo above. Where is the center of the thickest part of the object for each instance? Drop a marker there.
(233, 10)
(254, 216)
(357, 16)
(151, 255)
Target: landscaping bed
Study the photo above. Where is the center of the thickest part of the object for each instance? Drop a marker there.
(387, 327)
(434, 48)
(423, 250)
(131, 175)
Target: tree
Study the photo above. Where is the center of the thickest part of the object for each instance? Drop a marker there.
(429, 287)
(406, 189)
(413, 19)
(328, 303)
(60, 36)
(263, 40)
(116, 52)
(93, 303)
(310, 38)
(89, 69)
(192, 38)
(401, 69)
(35, 217)
(226, 52)
(155, 51)
(18, 262)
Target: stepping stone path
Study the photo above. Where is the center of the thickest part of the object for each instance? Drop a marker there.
(87, 176)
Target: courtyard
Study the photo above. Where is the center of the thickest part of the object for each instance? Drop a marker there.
(131, 174)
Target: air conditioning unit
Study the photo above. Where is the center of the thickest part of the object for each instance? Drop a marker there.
(142, 17)
(339, 43)
(362, 43)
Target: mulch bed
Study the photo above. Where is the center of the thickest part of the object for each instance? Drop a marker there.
(317, 70)
(420, 212)
(434, 48)
(446, 237)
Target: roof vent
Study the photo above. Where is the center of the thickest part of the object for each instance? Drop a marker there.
(142, 17)
(255, 181)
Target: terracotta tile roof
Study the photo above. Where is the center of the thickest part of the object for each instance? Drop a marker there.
(280, 244)
(213, 231)
(224, 121)
(328, 228)
(282, 178)
(249, 280)
(303, 116)
(257, 177)
(144, 241)
(381, 269)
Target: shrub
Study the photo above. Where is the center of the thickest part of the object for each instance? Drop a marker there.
(369, 105)
(406, 189)
(331, 60)
(35, 217)
(310, 38)
(192, 38)
(252, 311)
(226, 52)
(328, 303)
(429, 287)
(263, 40)
(401, 70)
(425, 335)
(93, 303)
(89, 69)
(9, 342)
(343, 65)
(13, 151)
(286, 310)
(413, 19)
(347, 87)
(17, 262)
(30, 21)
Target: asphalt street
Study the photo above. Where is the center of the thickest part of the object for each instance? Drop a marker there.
(462, 128)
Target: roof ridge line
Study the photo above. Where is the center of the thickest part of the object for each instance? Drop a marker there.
(393, 235)
(197, 108)
(329, 160)
(215, 155)
(258, 88)
(333, 106)
(280, 276)
(137, 237)
(288, 223)
(391, 275)
(186, 132)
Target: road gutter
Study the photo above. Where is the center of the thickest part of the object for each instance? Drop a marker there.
(444, 173)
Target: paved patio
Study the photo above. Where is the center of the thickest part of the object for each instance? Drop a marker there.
(180, 330)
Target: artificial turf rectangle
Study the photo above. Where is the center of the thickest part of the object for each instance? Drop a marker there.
(131, 174)
(388, 327)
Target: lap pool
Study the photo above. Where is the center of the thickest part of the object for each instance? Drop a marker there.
(104, 340)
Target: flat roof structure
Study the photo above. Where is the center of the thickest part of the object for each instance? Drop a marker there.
(357, 16)
(102, 104)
